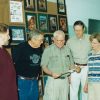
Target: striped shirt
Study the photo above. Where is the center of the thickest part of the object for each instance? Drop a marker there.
(94, 67)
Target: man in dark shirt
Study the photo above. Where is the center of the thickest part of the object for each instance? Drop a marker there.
(8, 87)
(27, 62)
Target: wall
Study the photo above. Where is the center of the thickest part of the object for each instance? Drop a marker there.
(81, 10)
(52, 0)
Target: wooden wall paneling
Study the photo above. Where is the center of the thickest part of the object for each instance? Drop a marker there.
(52, 8)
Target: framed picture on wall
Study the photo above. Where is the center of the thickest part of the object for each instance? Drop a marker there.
(17, 34)
(31, 21)
(61, 7)
(42, 5)
(48, 39)
(43, 22)
(29, 5)
(63, 23)
(16, 12)
(52, 23)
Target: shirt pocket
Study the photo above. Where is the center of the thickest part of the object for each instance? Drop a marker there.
(66, 59)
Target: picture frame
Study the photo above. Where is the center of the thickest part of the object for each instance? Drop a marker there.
(61, 6)
(29, 5)
(63, 25)
(43, 22)
(17, 34)
(16, 12)
(31, 21)
(48, 39)
(52, 23)
(42, 5)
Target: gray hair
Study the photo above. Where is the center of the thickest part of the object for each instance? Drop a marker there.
(57, 33)
(34, 34)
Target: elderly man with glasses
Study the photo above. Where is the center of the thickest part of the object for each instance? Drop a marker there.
(56, 60)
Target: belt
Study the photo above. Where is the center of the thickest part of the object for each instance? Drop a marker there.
(27, 78)
(61, 77)
(81, 64)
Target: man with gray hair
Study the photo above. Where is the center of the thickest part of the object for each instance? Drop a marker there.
(56, 60)
(27, 63)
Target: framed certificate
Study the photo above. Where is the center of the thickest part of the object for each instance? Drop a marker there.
(16, 12)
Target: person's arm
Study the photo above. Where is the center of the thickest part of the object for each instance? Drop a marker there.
(16, 55)
(85, 89)
(50, 73)
(72, 65)
(86, 86)
(47, 71)
(71, 60)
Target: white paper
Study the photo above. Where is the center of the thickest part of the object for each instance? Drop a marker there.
(16, 12)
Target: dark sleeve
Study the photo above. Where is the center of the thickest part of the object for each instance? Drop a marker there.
(16, 55)
(15, 50)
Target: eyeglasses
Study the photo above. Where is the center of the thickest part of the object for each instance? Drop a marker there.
(62, 40)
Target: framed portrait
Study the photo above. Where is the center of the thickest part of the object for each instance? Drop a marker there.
(31, 21)
(17, 34)
(29, 5)
(16, 12)
(61, 7)
(43, 22)
(52, 23)
(42, 5)
(63, 23)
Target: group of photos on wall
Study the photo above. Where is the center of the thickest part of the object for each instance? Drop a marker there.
(47, 23)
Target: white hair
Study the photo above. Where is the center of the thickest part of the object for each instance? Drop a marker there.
(58, 33)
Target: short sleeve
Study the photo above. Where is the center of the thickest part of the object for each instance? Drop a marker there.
(45, 58)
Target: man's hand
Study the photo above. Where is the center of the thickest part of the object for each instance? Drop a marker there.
(85, 88)
(54, 75)
(78, 69)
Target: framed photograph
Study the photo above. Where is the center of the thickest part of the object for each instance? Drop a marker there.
(48, 39)
(29, 5)
(63, 23)
(52, 23)
(16, 12)
(61, 7)
(17, 34)
(43, 22)
(31, 21)
(42, 5)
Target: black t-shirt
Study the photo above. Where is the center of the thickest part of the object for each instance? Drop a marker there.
(27, 60)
